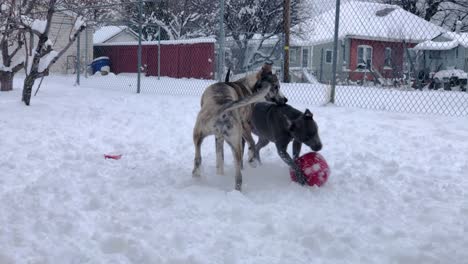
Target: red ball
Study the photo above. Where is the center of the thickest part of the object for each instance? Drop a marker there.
(314, 167)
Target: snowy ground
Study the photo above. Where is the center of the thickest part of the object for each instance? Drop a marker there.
(397, 193)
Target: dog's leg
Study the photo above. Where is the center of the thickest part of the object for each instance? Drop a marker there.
(262, 142)
(242, 153)
(296, 149)
(219, 154)
(247, 136)
(197, 140)
(282, 152)
(235, 142)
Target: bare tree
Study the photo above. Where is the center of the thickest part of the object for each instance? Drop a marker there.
(252, 25)
(445, 13)
(178, 19)
(40, 54)
(11, 43)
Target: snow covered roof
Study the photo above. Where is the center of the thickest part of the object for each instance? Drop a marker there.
(105, 33)
(367, 20)
(163, 42)
(452, 40)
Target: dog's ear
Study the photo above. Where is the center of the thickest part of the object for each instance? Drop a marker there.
(289, 124)
(308, 114)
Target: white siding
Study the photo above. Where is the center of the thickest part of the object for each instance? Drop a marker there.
(59, 34)
(123, 36)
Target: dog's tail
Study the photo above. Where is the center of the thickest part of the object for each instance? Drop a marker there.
(251, 99)
(226, 79)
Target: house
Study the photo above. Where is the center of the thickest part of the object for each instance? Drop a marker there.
(114, 34)
(446, 51)
(374, 41)
(62, 23)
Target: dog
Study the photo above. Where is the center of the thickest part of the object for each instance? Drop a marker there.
(282, 124)
(226, 112)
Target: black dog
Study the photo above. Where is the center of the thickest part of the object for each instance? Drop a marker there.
(282, 124)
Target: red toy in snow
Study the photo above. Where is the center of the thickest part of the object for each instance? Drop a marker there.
(314, 167)
(109, 156)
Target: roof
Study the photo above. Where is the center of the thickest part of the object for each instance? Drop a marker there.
(163, 42)
(367, 20)
(105, 33)
(449, 41)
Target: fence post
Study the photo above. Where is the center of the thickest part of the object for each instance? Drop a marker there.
(335, 51)
(140, 10)
(221, 41)
(286, 29)
(321, 65)
(159, 52)
(282, 51)
(86, 53)
(78, 61)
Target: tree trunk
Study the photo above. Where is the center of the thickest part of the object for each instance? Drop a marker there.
(6, 81)
(27, 88)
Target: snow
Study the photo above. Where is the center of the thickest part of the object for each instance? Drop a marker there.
(105, 33)
(80, 21)
(367, 20)
(462, 38)
(437, 45)
(39, 25)
(309, 76)
(453, 40)
(18, 59)
(397, 192)
(451, 73)
(163, 42)
(100, 58)
(45, 61)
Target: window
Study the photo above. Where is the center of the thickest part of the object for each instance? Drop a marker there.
(328, 56)
(388, 57)
(294, 56)
(305, 57)
(364, 58)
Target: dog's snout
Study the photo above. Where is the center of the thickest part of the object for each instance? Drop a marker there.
(282, 100)
(317, 147)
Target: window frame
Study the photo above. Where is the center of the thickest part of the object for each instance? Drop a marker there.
(295, 53)
(388, 60)
(365, 49)
(306, 59)
(331, 56)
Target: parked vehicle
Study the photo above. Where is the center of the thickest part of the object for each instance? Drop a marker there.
(449, 79)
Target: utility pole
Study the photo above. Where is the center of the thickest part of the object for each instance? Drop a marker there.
(221, 39)
(287, 26)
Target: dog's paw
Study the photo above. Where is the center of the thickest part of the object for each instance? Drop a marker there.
(301, 179)
(196, 173)
(254, 163)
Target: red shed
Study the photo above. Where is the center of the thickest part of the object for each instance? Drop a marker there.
(193, 58)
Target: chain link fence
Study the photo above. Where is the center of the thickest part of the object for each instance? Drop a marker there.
(381, 57)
